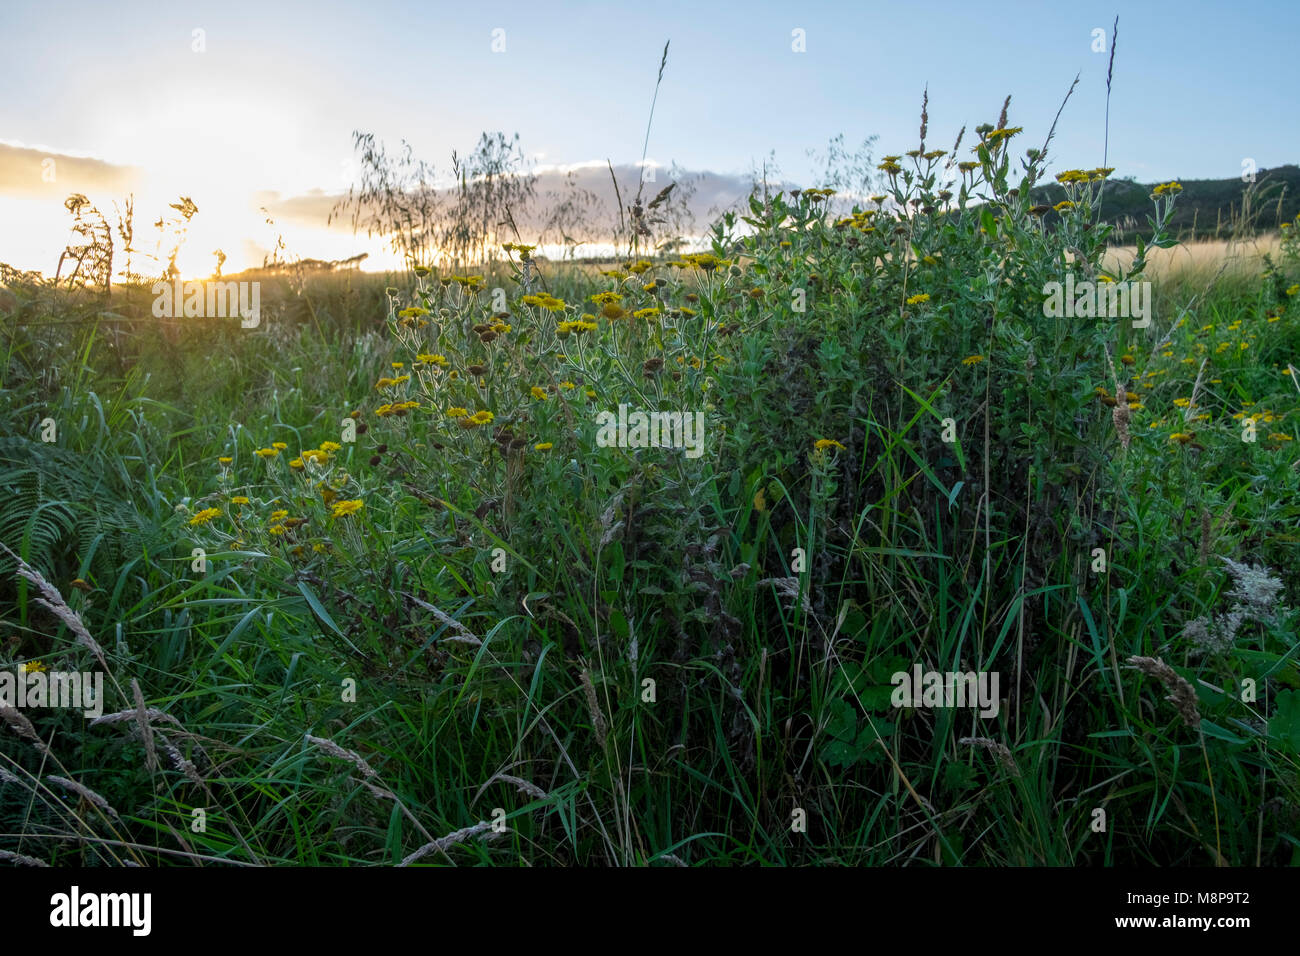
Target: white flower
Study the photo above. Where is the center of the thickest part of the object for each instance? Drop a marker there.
(1255, 589)
(1255, 593)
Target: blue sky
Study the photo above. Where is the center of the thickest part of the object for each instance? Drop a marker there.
(272, 101)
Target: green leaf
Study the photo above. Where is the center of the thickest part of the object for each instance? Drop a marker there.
(1218, 733)
(618, 625)
(959, 776)
(871, 750)
(877, 696)
(988, 223)
(616, 562)
(1284, 725)
(843, 723)
(952, 496)
(855, 623)
(839, 753)
(323, 615)
(842, 750)
(882, 669)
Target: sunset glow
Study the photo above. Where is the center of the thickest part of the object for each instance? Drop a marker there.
(239, 120)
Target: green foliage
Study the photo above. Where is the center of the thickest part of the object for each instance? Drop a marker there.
(905, 461)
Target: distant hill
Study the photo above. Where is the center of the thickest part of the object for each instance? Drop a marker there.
(1206, 209)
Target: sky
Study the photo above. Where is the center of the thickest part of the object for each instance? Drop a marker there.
(250, 105)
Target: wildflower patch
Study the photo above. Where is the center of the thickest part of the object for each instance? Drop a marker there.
(656, 429)
(1101, 299)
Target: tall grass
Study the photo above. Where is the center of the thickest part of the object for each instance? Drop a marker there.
(525, 646)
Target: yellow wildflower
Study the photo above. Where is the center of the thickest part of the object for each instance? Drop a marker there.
(343, 508)
(204, 516)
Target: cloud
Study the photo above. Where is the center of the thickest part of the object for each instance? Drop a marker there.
(37, 172)
(574, 202)
(587, 188)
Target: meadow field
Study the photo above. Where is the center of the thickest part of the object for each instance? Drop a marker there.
(675, 559)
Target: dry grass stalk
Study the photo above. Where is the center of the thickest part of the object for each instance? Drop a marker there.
(610, 523)
(1121, 414)
(522, 785)
(86, 793)
(457, 639)
(20, 725)
(1181, 694)
(610, 533)
(21, 859)
(334, 750)
(459, 631)
(152, 714)
(998, 749)
(145, 728)
(789, 589)
(597, 718)
(179, 762)
(50, 599)
(442, 844)
(1207, 536)
(1196, 393)
(383, 793)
